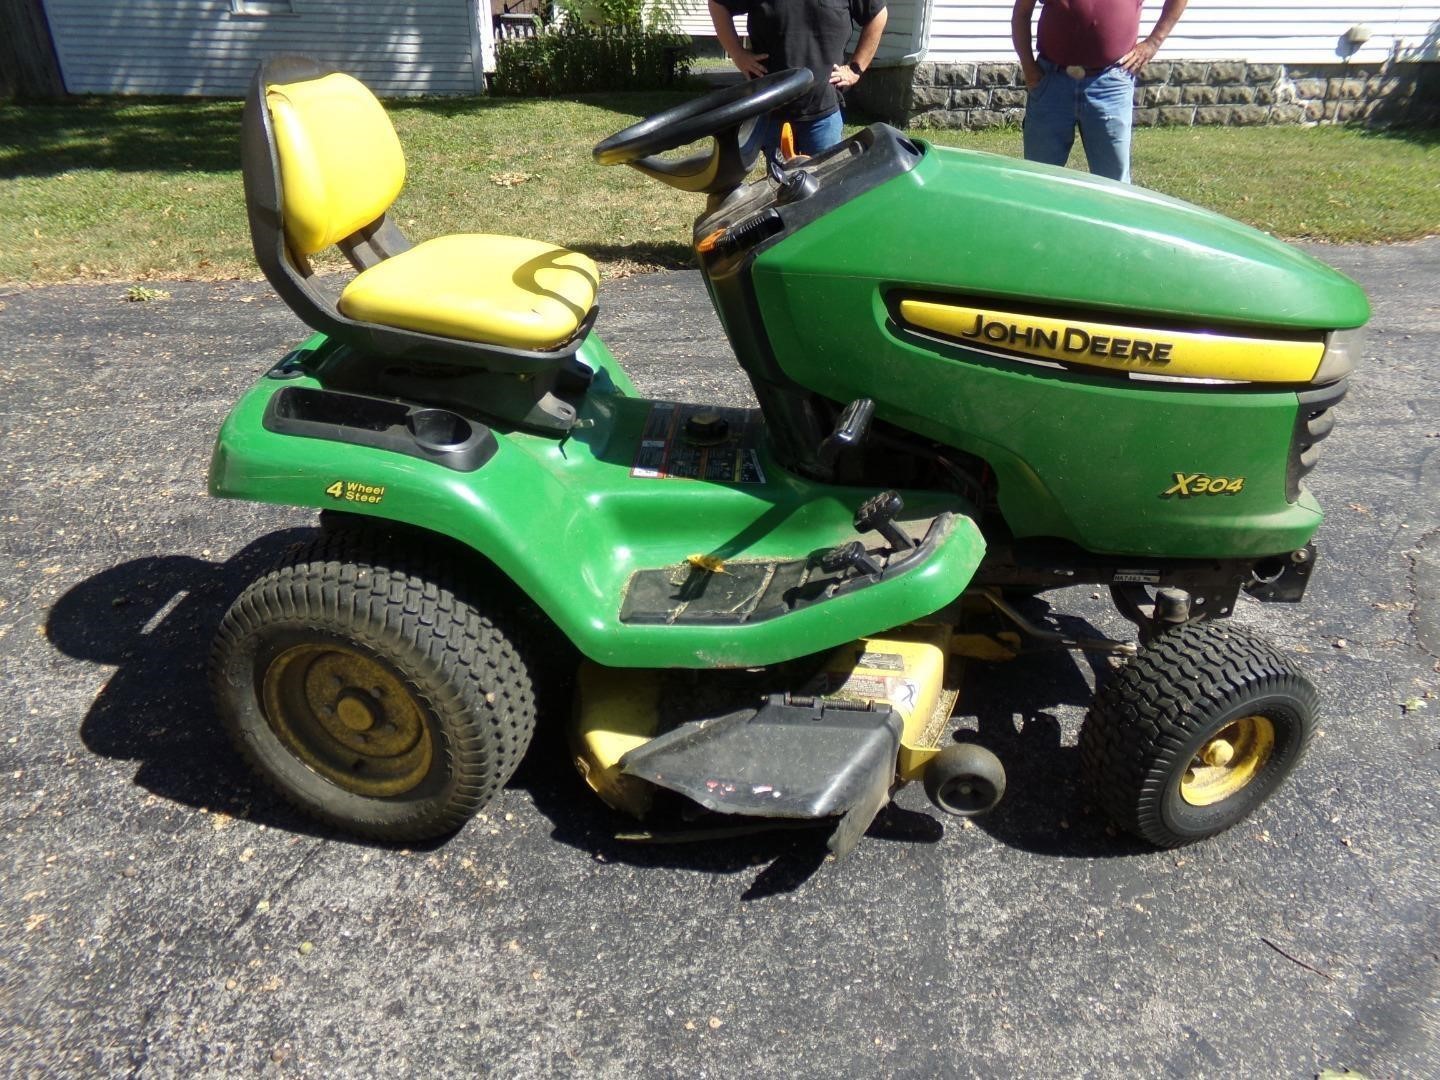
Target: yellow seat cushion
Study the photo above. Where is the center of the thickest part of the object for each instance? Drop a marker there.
(341, 165)
(499, 290)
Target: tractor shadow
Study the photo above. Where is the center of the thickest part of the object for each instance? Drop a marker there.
(783, 856)
(782, 859)
(152, 619)
(1028, 711)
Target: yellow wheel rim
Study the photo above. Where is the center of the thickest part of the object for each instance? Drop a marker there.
(1228, 760)
(349, 718)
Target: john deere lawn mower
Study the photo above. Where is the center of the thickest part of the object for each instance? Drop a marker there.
(978, 379)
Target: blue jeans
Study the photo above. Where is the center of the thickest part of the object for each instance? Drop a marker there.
(811, 136)
(1102, 104)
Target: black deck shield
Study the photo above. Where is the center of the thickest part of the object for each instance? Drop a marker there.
(796, 758)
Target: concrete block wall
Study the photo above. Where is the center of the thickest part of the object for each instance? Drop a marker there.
(1179, 92)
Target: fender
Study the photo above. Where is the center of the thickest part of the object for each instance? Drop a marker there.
(572, 525)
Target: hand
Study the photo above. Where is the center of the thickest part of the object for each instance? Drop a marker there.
(1138, 57)
(749, 63)
(1032, 74)
(843, 76)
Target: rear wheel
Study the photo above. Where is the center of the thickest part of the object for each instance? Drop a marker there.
(361, 686)
(1196, 732)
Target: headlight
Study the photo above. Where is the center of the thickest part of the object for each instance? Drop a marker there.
(1342, 352)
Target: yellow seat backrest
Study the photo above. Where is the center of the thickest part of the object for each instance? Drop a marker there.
(341, 165)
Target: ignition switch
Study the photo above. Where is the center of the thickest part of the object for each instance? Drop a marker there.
(798, 185)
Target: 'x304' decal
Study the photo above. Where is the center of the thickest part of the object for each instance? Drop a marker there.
(1187, 485)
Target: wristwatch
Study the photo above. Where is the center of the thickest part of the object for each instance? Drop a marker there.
(856, 68)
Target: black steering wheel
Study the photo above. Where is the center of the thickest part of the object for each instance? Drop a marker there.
(720, 114)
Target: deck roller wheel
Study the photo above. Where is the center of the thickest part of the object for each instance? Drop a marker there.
(965, 780)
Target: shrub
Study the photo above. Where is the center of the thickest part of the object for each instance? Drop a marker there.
(631, 14)
(574, 58)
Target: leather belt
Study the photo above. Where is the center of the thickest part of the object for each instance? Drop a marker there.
(1077, 71)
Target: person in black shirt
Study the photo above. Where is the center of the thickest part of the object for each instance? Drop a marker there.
(809, 34)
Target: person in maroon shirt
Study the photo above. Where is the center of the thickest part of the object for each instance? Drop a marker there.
(1084, 74)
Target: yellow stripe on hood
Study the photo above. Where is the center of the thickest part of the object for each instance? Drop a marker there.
(1186, 354)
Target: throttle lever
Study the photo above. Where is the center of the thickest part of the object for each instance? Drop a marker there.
(878, 513)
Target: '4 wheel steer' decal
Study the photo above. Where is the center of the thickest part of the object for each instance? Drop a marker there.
(354, 491)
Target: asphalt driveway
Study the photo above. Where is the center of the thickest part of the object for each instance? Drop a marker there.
(162, 914)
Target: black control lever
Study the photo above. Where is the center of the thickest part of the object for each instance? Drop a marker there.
(850, 430)
(743, 234)
(851, 555)
(878, 513)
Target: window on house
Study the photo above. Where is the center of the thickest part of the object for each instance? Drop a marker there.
(263, 7)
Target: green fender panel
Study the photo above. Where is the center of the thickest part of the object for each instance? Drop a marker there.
(570, 525)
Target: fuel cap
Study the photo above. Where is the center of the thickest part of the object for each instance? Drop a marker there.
(706, 428)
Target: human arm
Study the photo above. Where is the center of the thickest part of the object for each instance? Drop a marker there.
(1146, 48)
(843, 76)
(1020, 37)
(749, 63)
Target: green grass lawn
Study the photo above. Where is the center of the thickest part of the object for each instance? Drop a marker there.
(126, 189)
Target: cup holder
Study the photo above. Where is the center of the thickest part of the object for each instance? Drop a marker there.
(439, 429)
(436, 435)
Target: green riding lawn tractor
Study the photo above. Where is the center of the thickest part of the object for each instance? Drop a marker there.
(978, 379)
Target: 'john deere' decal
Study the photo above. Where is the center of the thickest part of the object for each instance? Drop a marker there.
(1181, 353)
(1189, 484)
(1068, 341)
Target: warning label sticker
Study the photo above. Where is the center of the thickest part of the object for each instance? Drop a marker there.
(885, 661)
(699, 442)
(899, 692)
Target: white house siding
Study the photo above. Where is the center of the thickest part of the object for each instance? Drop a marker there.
(1260, 31)
(903, 38)
(694, 19)
(203, 47)
(1257, 31)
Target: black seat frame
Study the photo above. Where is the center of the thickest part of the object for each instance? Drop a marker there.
(526, 388)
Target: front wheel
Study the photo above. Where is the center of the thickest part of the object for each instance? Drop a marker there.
(1196, 732)
(359, 684)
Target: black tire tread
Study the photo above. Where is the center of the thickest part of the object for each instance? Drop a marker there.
(361, 582)
(1156, 703)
